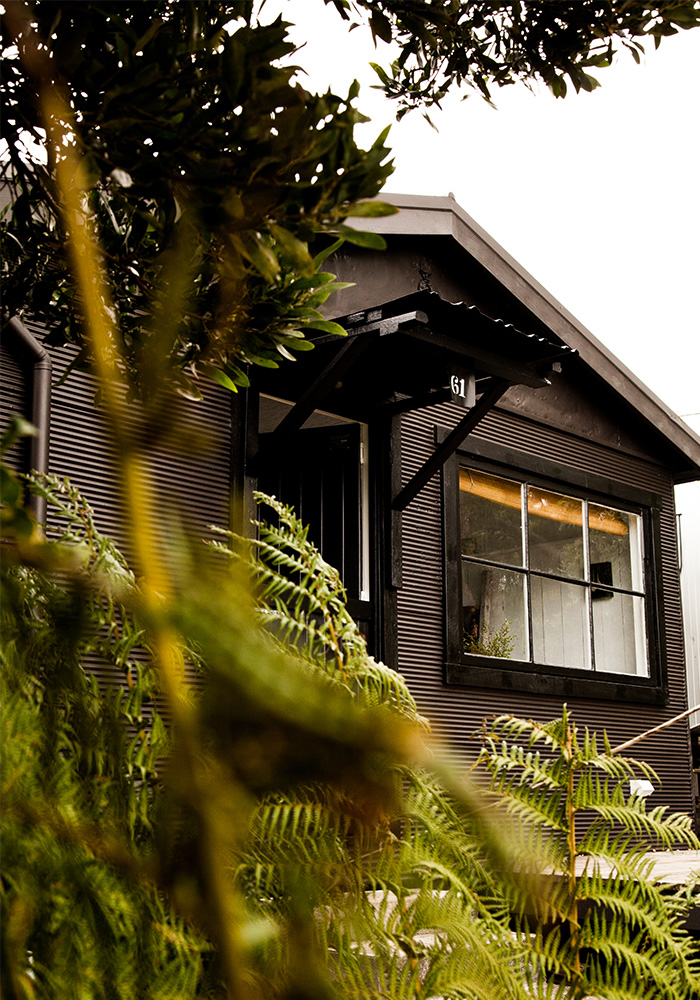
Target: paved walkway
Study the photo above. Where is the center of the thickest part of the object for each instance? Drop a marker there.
(671, 867)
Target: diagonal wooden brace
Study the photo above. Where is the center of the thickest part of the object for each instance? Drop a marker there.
(450, 445)
(314, 394)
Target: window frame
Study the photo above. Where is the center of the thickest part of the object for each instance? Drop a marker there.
(474, 670)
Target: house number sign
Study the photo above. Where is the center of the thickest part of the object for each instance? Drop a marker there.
(463, 388)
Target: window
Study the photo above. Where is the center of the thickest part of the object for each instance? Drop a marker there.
(549, 585)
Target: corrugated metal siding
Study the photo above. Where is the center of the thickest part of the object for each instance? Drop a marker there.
(191, 477)
(455, 712)
(14, 398)
(192, 474)
(688, 503)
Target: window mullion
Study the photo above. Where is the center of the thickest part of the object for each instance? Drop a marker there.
(587, 572)
(526, 562)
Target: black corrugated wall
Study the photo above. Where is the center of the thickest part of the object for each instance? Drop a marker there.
(456, 712)
(15, 397)
(191, 471)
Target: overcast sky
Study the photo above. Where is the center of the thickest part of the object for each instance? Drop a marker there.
(597, 195)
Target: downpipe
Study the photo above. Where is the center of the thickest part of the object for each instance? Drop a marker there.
(31, 353)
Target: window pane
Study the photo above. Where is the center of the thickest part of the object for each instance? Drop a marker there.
(616, 547)
(619, 634)
(560, 628)
(490, 515)
(494, 612)
(555, 528)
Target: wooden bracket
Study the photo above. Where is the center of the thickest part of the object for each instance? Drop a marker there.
(314, 394)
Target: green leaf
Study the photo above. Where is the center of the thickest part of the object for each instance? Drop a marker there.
(296, 252)
(237, 375)
(257, 359)
(17, 428)
(319, 297)
(360, 238)
(301, 345)
(380, 26)
(381, 73)
(285, 353)
(381, 138)
(10, 489)
(261, 256)
(320, 257)
(221, 377)
(315, 281)
(327, 326)
(372, 209)
(17, 523)
(188, 390)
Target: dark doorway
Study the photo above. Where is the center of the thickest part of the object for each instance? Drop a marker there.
(320, 472)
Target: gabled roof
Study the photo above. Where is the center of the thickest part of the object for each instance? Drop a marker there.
(423, 215)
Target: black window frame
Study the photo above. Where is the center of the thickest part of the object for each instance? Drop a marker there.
(474, 670)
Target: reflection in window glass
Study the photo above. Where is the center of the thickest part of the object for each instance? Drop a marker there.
(555, 529)
(491, 517)
(620, 634)
(615, 540)
(495, 618)
(560, 629)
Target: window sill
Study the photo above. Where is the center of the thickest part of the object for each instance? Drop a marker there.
(482, 672)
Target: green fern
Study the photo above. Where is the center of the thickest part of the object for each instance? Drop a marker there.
(302, 606)
(81, 911)
(358, 868)
(398, 916)
(604, 927)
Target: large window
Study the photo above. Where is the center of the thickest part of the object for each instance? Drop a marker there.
(550, 582)
(550, 578)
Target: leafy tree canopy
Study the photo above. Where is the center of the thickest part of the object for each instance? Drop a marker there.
(207, 167)
(450, 43)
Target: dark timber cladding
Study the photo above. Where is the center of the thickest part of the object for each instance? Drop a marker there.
(456, 712)
(192, 468)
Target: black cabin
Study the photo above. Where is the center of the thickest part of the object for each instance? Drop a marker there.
(495, 488)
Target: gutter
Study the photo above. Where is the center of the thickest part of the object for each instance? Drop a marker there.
(30, 352)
